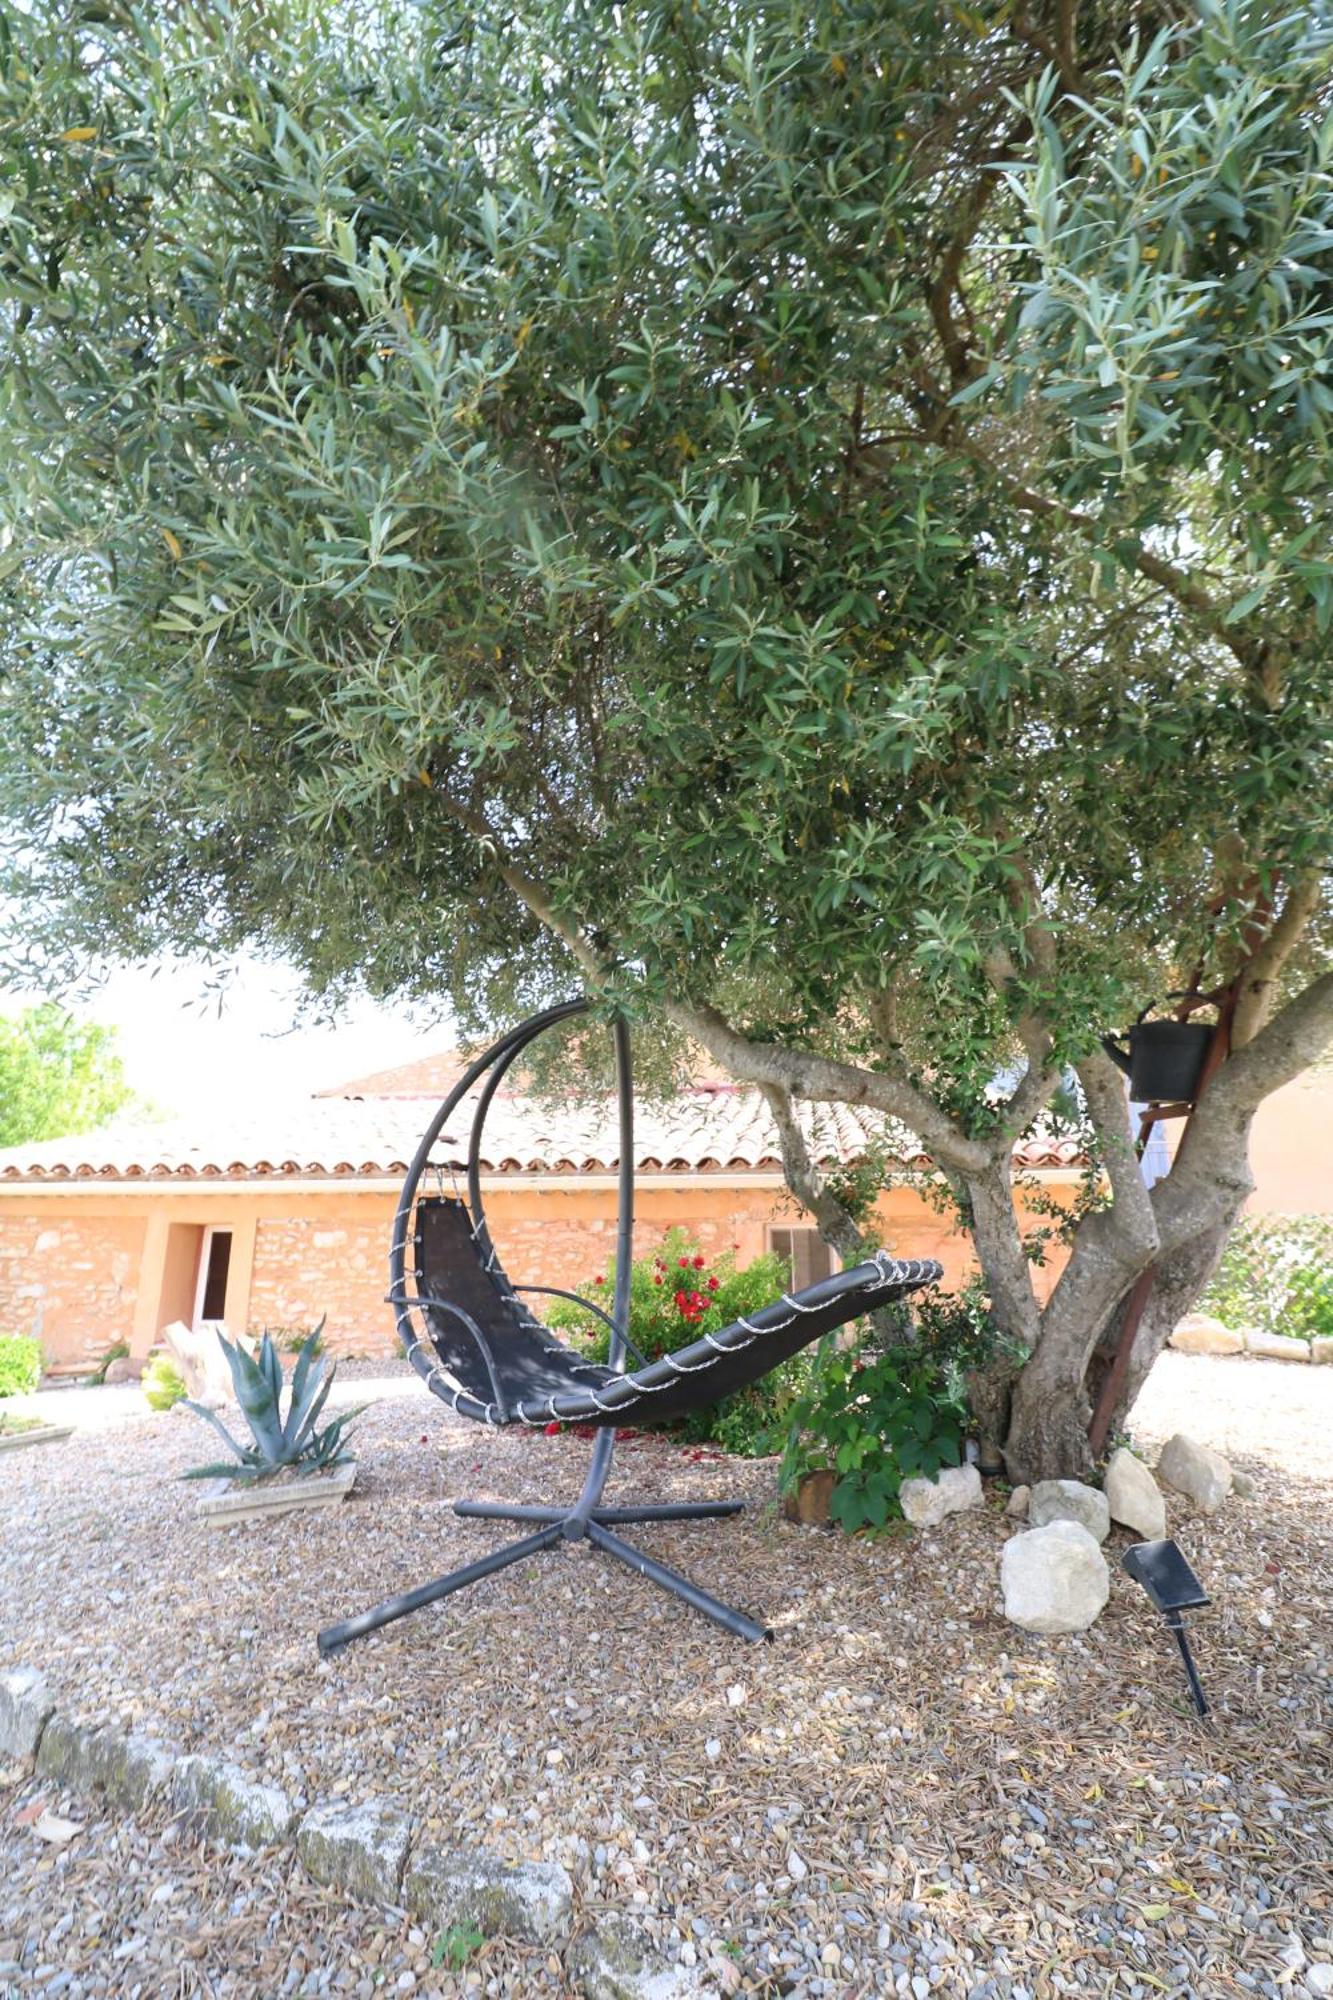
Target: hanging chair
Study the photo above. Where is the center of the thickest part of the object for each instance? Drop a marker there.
(476, 1345)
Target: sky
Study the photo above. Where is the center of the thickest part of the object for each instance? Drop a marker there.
(185, 1053)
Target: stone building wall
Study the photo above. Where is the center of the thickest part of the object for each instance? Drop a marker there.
(69, 1279)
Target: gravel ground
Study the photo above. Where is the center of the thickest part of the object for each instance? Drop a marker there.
(904, 1795)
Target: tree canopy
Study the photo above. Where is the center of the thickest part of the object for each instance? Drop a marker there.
(815, 522)
(57, 1075)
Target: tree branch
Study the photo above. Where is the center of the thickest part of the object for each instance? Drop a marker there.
(529, 892)
(822, 1080)
(1259, 980)
(806, 1182)
(1294, 1038)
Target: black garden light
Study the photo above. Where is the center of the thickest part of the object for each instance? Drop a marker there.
(1174, 1588)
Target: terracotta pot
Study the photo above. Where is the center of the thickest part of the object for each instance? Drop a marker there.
(809, 1500)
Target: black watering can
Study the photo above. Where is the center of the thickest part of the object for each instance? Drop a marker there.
(1163, 1060)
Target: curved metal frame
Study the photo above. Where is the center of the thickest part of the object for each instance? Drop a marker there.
(587, 1519)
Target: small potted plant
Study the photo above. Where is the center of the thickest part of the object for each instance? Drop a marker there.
(290, 1461)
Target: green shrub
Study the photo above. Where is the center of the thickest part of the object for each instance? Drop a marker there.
(1276, 1272)
(677, 1295)
(20, 1364)
(163, 1384)
(1307, 1310)
(877, 1415)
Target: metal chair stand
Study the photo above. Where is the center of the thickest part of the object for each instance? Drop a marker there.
(480, 1349)
(587, 1520)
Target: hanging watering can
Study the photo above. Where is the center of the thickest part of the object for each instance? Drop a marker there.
(1163, 1060)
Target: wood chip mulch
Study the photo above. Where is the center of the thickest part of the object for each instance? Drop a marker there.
(904, 1795)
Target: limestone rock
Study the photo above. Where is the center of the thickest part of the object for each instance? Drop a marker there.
(925, 1502)
(1133, 1496)
(1321, 1350)
(1276, 1346)
(1055, 1579)
(360, 1848)
(26, 1706)
(1202, 1475)
(1018, 1503)
(129, 1769)
(1070, 1500)
(125, 1368)
(202, 1363)
(1243, 1486)
(230, 1806)
(614, 1962)
(1200, 1333)
(456, 1886)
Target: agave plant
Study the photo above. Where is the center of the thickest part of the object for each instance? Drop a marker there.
(278, 1442)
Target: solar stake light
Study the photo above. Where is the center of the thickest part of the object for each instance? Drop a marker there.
(1174, 1588)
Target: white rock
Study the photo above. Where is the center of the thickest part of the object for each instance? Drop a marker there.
(1070, 1500)
(1321, 1350)
(1200, 1333)
(1202, 1475)
(1276, 1346)
(229, 1806)
(925, 1502)
(129, 1769)
(360, 1848)
(26, 1706)
(616, 1962)
(1018, 1503)
(533, 1900)
(1319, 1977)
(1133, 1496)
(1055, 1579)
(202, 1363)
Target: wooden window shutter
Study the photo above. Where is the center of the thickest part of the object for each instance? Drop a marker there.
(805, 1253)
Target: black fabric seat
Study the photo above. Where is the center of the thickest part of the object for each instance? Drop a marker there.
(479, 1347)
(540, 1381)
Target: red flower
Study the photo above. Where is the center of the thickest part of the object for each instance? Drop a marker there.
(684, 1263)
(680, 1300)
(713, 1284)
(698, 1263)
(599, 1281)
(552, 1430)
(659, 1281)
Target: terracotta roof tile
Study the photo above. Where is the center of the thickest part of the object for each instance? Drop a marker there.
(713, 1130)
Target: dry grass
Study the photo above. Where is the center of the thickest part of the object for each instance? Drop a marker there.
(903, 1795)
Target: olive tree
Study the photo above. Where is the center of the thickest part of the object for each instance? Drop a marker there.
(813, 524)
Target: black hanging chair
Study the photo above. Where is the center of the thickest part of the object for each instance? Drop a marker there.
(476, 1344)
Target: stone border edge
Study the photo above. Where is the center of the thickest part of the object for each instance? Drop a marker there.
(370, 1851)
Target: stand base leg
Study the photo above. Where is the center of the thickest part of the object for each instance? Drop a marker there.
(555, 1525)
(334, 1636)
(682, 1510)
(671, 1579)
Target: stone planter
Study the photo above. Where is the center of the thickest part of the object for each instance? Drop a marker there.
(225, 1504)
(810, 1499)
(44, 1434)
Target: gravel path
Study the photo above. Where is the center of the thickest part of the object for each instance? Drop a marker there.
(903, 1796)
